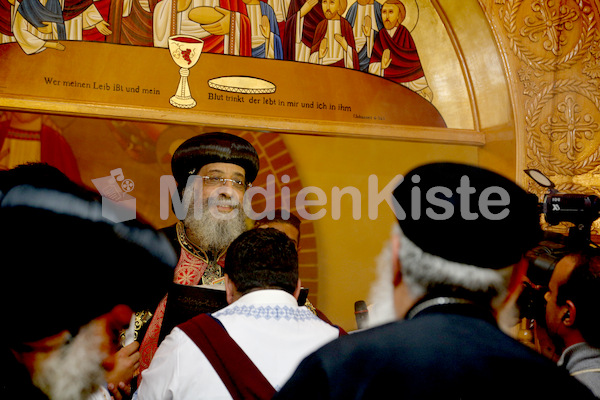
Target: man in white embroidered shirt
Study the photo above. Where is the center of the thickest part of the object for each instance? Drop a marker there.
(251, 347)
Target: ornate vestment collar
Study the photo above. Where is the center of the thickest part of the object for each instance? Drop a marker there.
(187, 244)
(211, 271)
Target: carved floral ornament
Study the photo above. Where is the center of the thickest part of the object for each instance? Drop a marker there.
(553, 40)
(560, 134)
(569, 127)
(557, 57)
(548, 35)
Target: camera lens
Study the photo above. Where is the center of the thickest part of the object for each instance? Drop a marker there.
(541, 265)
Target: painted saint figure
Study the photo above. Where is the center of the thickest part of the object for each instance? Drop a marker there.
(365, 18)
(395, 54)
(280, 7)
(39, 24)
(80, 15)
(333, 43)
(301, 23)
(131, 22)
(30, 138)
(266, 42)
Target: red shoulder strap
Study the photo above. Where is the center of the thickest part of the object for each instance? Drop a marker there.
(239, 374)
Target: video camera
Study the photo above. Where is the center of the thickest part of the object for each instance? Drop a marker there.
(542, 261)
(579, 209)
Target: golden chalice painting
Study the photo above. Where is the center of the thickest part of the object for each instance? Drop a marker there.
(185, 51)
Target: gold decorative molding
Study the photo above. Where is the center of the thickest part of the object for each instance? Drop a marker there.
(552, 54)
(540, 32)
(561, 132)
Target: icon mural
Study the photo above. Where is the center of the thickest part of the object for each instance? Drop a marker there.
(369, 36)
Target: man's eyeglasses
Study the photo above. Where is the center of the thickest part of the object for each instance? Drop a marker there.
(218, 181)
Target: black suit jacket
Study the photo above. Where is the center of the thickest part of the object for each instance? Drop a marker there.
(445, 352)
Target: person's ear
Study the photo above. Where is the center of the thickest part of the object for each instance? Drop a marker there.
(230, 290)
(569, 314)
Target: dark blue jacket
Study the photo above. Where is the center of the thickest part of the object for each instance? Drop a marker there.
(445, 352)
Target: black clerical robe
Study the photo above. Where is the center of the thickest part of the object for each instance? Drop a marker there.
(453, 351)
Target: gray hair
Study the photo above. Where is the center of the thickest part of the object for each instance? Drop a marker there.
(423, 273)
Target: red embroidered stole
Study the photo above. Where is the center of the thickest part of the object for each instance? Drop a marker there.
(239, 374)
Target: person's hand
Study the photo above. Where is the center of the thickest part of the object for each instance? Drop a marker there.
(367, 26)
(265, 26)
(46, 29)
(341, 40)
(119, 392)
(323, 48)
(427, 93)
(221, 27)
(306, 7)
(127, 361)
(386, 59)
(102, 27)
(55, 45)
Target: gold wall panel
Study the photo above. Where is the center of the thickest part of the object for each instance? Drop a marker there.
(552, 55)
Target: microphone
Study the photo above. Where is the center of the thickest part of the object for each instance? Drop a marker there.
(361, 313)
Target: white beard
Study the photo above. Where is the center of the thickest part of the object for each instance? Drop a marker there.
(75, 370)
(214, 231)
(381, 295)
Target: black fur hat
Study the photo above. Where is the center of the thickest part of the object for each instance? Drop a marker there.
(64, 264)
(213, 147)
(467, 214)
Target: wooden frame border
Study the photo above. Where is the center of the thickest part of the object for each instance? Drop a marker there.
(246, 122)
